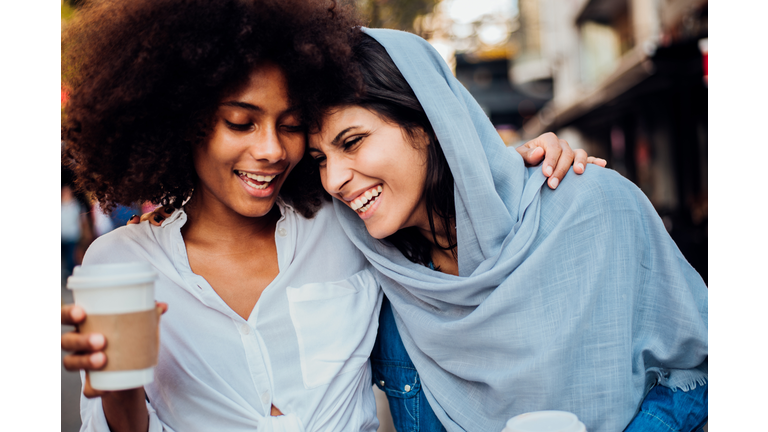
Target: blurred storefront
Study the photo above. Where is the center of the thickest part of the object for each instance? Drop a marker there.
(628, 83)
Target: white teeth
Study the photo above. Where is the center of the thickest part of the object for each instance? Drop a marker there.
(365, 201)
(260, 178)
(254, 185)
(257, 177)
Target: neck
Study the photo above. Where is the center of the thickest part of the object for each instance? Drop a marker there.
(446, 260)
(221, 227)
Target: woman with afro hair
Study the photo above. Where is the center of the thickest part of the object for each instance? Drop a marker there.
(201, 107)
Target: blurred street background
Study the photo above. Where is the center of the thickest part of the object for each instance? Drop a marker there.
(626, 80)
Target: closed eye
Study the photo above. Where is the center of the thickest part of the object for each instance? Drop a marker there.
(240, 127)
(347, 145)
(319, 160)
(293, 128)
(318, 157)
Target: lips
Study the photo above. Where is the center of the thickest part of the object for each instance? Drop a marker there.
(256, 181)
(366, 199)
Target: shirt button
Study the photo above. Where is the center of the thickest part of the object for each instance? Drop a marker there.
(407, 388)
(382, 383)
(282, 232)
(265, 397)
(245, 329)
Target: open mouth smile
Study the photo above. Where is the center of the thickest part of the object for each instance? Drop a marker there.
(254, 180)
(364, 202)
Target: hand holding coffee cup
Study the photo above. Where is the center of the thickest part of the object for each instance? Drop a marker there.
(86, 350)
(117, 318)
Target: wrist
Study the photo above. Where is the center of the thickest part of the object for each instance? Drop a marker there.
(126, 410)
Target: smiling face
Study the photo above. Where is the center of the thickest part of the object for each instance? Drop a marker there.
(373, 167)
(255, 143)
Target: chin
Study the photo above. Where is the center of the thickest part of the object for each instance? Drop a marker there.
(258, 211)
(379, 232)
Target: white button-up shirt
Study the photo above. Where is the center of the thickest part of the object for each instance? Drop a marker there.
(304, 348)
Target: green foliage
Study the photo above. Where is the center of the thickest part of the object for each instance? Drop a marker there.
(67, 10)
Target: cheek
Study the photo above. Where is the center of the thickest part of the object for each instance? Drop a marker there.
(295, 150)
(324, 178)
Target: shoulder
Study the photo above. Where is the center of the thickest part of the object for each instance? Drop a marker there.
(598, 186)
(325, 218)
(324, 238)
(121, 244)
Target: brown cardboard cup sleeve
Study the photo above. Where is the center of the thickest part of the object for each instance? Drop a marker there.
(132, 338)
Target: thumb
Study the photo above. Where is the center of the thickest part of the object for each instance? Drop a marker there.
(531, 156)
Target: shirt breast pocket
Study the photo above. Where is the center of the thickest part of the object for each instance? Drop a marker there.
(335, 325)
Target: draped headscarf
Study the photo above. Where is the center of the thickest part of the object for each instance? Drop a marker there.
(575, 299)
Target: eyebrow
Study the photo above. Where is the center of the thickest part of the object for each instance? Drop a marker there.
(251, 107)
(244, 105)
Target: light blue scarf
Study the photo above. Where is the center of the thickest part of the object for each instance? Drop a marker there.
(575, 299)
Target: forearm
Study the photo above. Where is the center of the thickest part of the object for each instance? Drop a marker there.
(126, 411)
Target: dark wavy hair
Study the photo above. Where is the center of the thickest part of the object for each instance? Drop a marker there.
(382, 89)
(146, 78)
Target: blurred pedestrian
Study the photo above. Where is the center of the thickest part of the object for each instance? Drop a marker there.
(71, 229)
(102, 222)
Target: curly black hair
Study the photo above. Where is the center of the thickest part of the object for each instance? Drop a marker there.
(146, 78)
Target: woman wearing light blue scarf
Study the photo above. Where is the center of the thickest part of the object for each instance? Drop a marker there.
(574, 300)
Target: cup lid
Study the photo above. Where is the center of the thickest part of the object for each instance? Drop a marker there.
(545, 421)
(109, 275)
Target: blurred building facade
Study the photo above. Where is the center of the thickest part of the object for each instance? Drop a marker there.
(626, 81)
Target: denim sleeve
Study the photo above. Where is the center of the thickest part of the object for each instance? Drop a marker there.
(664, 410)
(395, 375)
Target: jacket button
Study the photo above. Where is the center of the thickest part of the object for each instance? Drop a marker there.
(381, 383)
(407, 388)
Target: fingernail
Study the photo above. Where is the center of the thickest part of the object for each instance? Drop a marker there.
(548, 171)
(133, 217)
(96, 340)
(553, 182)
(77, 313)
(158, 218)
(98, 359)
(168, 209)
(580, 166)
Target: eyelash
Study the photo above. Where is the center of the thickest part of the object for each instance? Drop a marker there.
(244, 127)
(351, 143)
(319, 160)
(238, 127)
(345, 145)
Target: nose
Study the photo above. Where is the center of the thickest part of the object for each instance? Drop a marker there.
(336, 175)
(267, 146)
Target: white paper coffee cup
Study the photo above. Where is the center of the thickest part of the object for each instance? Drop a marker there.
(545, 421)
(119, 302)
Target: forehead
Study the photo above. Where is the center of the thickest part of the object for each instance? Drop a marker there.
(338, 119)
(265, 82)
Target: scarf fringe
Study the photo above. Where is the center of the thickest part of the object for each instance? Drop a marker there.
(685, 380)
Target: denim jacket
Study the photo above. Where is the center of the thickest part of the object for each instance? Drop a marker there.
(395, 375)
